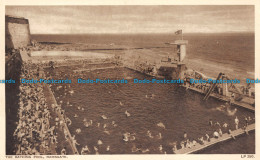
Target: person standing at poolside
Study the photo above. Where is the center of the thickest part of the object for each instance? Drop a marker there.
(245, 129)
(210, 122)
(236, 122)
(207, 137)
(225, 125)
(246, 121)
(220, 132)
(216, 134)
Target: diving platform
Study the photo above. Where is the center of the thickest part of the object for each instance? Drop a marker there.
(223, 98)
(213, 141)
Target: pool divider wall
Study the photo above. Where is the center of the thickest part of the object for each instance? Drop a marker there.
(51, 100)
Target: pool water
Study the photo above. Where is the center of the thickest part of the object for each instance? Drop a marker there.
(161, 109)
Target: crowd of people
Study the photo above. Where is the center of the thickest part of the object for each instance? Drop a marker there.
(218, 132)
(34, 134)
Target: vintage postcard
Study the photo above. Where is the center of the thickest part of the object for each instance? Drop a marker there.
(110, 80)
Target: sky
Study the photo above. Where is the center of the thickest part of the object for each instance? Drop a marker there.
(136, 19)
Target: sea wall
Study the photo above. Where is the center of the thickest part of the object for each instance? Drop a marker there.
(17, 32)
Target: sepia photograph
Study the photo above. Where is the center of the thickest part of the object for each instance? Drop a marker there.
(129, 79)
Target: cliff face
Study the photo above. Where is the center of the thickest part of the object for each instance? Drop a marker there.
(17, 32)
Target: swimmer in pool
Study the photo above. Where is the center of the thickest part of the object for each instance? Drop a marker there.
(185, 135)
(160, 136)
(104, 117)
(231, 112)
(217, 124)
(99, 142)
(127, 114)
(114, 123)
(225, 125)
(149, 134)
(107, 132)
(78, 130)
(125, 138)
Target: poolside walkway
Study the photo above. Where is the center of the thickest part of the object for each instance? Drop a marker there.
(51, 100)
(213, 141)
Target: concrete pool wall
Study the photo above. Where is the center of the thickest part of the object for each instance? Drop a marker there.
(71, 54)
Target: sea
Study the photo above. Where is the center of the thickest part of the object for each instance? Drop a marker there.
(237, 50)
(159, 114)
